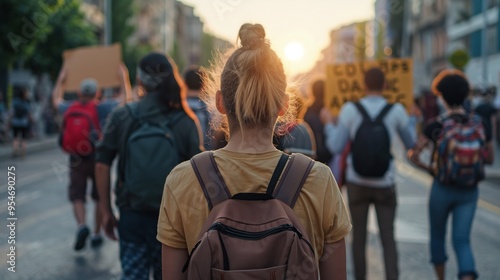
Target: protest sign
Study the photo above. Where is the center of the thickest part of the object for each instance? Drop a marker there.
(345, 82)
(98, 62)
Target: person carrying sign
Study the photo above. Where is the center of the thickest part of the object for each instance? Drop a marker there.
(371, 125)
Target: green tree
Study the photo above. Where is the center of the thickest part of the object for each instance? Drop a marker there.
(24, 25)
(121, 30)
(69, 30)
(459, 59)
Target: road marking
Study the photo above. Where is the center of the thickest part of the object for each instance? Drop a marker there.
(489, 206)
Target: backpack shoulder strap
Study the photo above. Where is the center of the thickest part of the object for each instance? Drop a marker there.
(384, 112)
(277, 173)
(362, 111)
(210, 178)
(293, 179)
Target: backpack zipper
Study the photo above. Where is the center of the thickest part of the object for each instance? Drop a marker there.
(233, 232)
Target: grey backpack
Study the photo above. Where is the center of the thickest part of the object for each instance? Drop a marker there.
(253, 235)
(151, 153)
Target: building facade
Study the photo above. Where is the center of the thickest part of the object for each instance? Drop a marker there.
(350, 43)
(429, 41)
(467, 24)
(155, 24)
(188, 35)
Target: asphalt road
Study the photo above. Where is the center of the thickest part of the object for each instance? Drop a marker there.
(45, 228)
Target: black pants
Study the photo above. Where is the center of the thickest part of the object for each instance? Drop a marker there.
(384, 199)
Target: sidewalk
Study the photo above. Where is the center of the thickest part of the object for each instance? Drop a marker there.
(32, 146)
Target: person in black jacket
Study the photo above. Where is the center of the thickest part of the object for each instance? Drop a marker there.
(312, 117)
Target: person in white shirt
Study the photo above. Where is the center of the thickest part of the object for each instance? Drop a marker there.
(371, 125)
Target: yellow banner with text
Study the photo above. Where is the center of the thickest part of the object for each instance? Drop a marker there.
(345, 82)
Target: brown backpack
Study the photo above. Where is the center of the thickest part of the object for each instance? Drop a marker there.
(252, 235)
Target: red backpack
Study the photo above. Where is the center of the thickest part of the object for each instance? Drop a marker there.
(80, 129)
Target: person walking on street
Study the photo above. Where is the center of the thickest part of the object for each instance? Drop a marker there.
(20, 121)
(79, 133)
(312, 118)
(462, 144)
(251, 97)
(193, 78)
(104, 107)
(371, 125)
(150, 137)
(82, 162)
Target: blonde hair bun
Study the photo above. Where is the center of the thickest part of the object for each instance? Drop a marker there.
(251, 35)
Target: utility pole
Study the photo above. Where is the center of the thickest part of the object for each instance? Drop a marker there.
(485, 43)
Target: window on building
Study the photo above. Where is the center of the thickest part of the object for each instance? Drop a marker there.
(475, 43)
(492, 3)
(477, 6)
(492, 40)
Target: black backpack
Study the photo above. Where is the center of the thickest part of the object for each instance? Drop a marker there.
(371, 148)
(21, 109)
(151, 153)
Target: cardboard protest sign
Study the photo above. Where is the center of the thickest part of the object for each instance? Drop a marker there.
(98, 62)
(345, 82)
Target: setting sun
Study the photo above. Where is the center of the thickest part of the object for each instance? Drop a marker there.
(294, 51)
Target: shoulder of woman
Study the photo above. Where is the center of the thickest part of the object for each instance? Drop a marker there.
(177, 177)
(320, 174)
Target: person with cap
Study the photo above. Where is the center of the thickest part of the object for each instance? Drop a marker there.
(80, 130)
(61, 99)
(150, 137)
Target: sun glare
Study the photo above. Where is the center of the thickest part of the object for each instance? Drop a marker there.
(294, 51)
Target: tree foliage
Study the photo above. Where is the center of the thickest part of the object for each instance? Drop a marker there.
(24, 25)
(459, 59)
(121, 30)
(69, 30)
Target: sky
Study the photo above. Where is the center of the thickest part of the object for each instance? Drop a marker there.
(307, 22)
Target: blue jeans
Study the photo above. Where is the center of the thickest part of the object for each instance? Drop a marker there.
(140, 252)
(462, 203)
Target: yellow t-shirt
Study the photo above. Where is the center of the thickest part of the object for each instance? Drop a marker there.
(319, 207)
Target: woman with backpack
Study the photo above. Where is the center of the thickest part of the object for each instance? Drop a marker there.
(462, 146)
(248, 90)
(20, 121)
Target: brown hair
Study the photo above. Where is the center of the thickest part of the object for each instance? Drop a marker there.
(252, 81)
(374, 79)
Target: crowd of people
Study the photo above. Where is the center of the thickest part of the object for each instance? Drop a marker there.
(221, 169)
